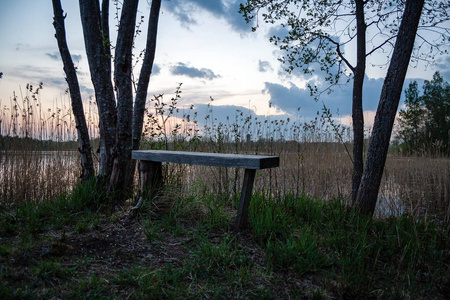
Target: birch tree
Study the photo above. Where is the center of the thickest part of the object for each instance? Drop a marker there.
(84, 145)
(121, 116)
(318, 32)
(387, 108)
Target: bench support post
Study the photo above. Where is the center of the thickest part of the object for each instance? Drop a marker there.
(151, 177)
(246, 195)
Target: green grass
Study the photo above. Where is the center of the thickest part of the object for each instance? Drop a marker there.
(295, 247)
(78, 208)
(396, 256)
(47, 270)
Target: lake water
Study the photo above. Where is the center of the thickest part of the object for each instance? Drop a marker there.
(410, 185)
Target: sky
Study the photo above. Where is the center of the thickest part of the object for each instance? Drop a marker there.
(206, 45)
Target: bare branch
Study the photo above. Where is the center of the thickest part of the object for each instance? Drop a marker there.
(388, 41)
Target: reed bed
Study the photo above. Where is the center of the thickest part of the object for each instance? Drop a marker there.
(35, 176)
(315, 156)
(315, 160)
(26, 117)
(416, 186)
(303, 242)
(38, 146)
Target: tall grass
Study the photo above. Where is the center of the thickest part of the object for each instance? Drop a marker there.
(27, 117)
(387, 258)
(34, 176)
(303, 242)
(315, 156)
(38, 158)
(315, 159)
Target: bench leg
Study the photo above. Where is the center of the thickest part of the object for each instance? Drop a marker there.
(151, 177)
(246, 195)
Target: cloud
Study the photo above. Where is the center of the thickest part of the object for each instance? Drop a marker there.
(227, 10)
(290, 99)
(443, 66)
(227, 115)
(86, 91)
(264, 66)
(339, 100)
(53, 56)
(278, 31)
(183, 69)
(235, 19)
(218, 113)
(318, 75)
(180, 12)
(32, 73)
(76, 58)
(50, 78)
(56, 56)
(314, 72)
(61, 85)
(371, 92)
(21, 46)
(156, 69)
(59, 82)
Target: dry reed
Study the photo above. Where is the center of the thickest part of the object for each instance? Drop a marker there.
(37, 150)
(315, 157)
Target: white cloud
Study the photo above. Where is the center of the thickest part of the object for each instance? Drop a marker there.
(183, 69)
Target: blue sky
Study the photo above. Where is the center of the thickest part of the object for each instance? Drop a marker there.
(204, 44)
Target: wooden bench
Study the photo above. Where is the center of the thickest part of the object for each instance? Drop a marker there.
(151, 170)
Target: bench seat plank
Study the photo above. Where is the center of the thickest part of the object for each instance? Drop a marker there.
(255, 162)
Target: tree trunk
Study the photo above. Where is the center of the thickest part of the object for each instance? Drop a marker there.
(105, 33)
(144, 79)
(387, 108)
(99, 61)
(122, 74)
(357, 108)
(117, 124)
(144, 76)
(84, 145)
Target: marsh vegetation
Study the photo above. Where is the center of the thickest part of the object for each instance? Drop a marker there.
(58, 238)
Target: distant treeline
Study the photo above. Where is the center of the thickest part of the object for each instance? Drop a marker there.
(425, 121)
(15, 143)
